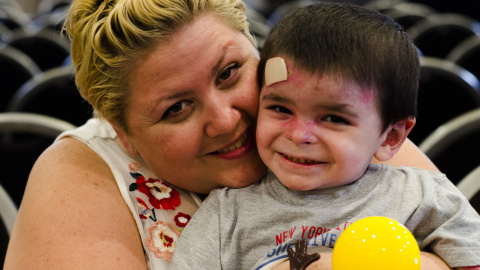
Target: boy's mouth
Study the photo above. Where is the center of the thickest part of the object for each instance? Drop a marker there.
(301, 160)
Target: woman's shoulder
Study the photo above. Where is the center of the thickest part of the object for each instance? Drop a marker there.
(67, 159)
(71, 195)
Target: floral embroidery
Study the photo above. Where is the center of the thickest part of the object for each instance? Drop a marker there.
(133, 166)
(145, 212)
(160, 194)
(182, 219)
(163, 237)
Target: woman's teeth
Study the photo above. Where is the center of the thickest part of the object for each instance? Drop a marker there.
(301, 160)
(235, 146)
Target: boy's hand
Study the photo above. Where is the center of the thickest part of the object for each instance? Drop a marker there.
(299, 259)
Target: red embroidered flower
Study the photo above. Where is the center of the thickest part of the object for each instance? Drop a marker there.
(160, 194)
(144, 208)
(163, 237)
(182, 219)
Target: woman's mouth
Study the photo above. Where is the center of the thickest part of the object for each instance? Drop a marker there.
(301, 160)
(235, 146)
(239, 148)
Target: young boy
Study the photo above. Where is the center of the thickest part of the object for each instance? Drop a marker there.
(339, 87)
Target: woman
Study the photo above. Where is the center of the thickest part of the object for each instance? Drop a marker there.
(174, 84)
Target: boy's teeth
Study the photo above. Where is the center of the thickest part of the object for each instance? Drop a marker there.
(301, 160)
(235, 146)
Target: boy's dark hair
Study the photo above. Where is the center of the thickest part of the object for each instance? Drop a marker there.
(355, 43)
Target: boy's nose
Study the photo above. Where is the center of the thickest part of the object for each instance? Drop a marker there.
(303, 133)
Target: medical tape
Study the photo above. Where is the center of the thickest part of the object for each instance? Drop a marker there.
(275, 71)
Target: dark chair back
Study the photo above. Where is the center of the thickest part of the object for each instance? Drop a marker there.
(16, 68)
(445, 91)
(438, 34)
(408, 13)
(284, 9)
(454, 147)
(47, 48)
(467, 55)
(52, 93)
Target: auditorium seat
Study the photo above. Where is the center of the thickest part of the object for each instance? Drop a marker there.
(16, 68)
(439, 33)
(446, 90)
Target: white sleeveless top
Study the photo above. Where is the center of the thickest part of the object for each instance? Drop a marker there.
(160, 209)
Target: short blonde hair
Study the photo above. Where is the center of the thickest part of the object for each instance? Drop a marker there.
(108, 37)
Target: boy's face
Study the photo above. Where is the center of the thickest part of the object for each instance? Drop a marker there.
(317, 132)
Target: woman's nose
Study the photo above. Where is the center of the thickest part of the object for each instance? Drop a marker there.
(302, 133)
(222, 117)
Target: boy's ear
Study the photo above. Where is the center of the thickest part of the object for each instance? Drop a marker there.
(124, 139)
(396, 136)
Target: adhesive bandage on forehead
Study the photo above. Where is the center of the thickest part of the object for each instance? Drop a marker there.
(275, 71)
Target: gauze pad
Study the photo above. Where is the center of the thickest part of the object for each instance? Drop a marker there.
(275, 70)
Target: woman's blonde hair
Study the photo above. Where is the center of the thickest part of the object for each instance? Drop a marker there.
(108, 37)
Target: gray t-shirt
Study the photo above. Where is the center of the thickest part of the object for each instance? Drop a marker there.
(252, 227)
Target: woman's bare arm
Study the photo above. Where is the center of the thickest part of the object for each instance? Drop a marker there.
(411, 156)
(72, 216)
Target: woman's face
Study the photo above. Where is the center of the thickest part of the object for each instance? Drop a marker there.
(193, 107)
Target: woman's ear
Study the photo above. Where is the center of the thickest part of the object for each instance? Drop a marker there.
(396, 136)
(124, 139)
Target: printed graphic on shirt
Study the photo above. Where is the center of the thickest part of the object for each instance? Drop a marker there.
(319, 239)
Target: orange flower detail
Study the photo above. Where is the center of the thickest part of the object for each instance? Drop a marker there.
(162, 239)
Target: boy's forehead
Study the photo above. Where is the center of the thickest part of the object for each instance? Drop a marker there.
(283, 69)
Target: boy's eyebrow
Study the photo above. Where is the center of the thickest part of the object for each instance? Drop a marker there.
(329, 106)
(338, 107)
(276, 98)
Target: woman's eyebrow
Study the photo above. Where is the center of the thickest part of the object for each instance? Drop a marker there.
(226, 50)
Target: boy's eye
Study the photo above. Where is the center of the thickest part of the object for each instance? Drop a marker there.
(176, 108)
(336, 119)
(228, 73)
(280, 109)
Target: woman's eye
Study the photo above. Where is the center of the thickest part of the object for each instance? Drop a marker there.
(227, 73)
(336, 119)
(176, 108)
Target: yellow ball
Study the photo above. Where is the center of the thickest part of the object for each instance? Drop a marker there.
(376, 243)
